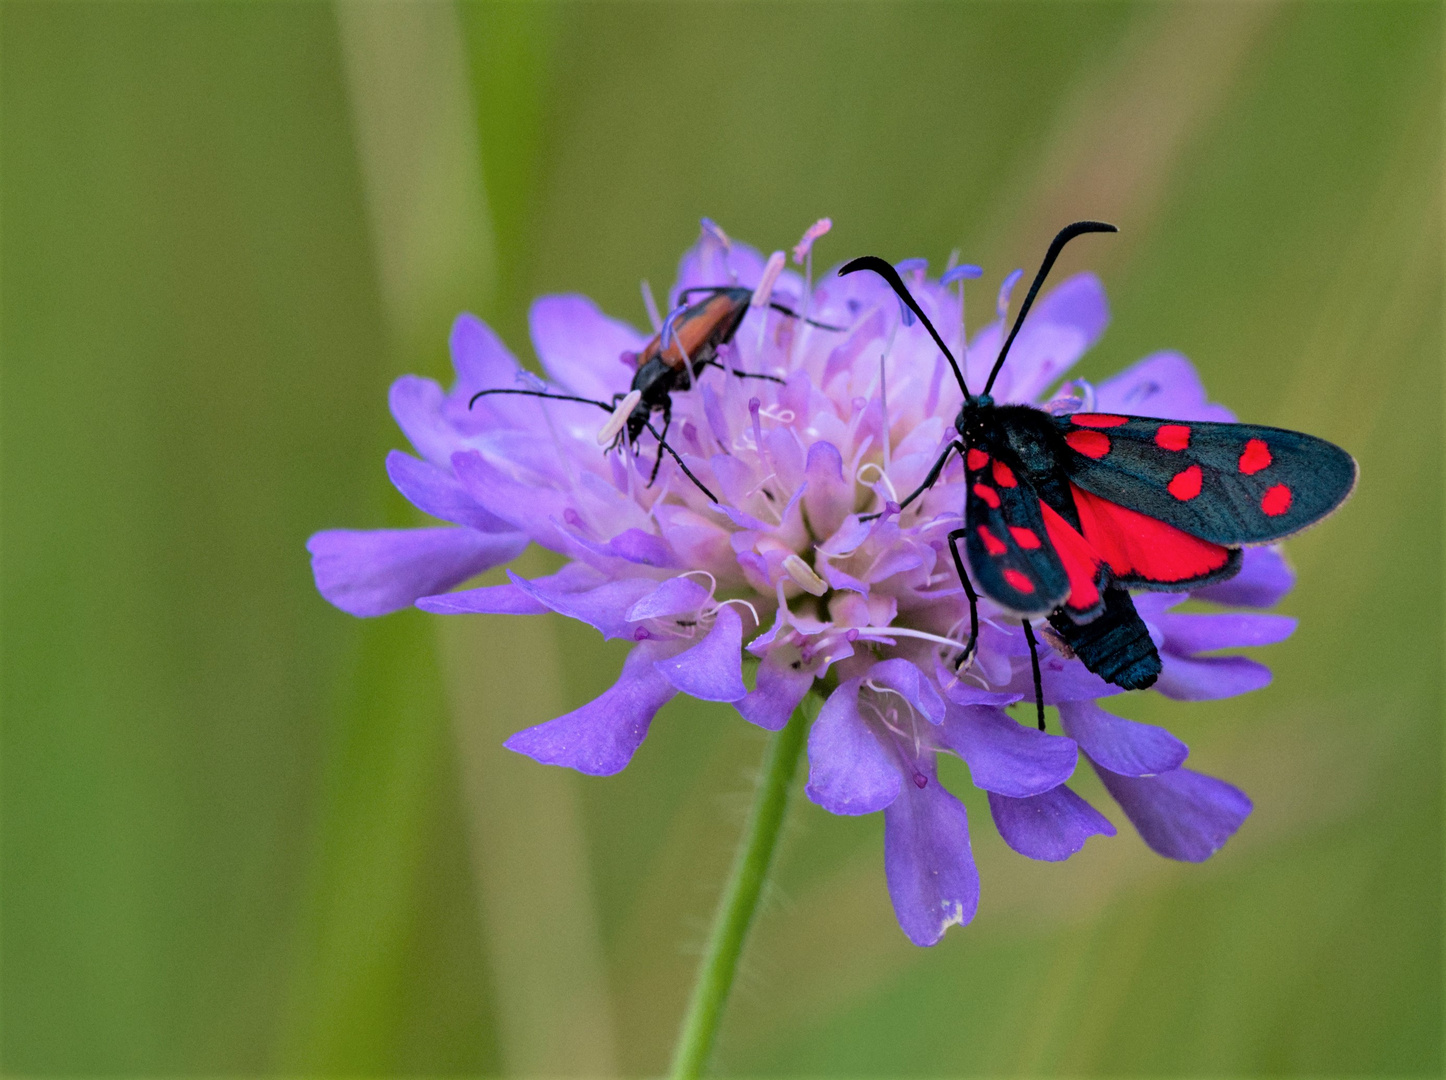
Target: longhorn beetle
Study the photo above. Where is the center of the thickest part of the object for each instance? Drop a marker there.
(688, 342)
(1064, 514)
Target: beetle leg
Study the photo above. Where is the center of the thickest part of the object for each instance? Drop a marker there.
(662, 439)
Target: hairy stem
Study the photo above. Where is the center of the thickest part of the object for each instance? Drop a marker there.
(739, 901)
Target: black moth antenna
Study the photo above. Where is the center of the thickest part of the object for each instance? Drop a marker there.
(1064, 236)
(886, 271)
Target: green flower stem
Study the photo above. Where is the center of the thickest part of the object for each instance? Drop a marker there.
(739, 902)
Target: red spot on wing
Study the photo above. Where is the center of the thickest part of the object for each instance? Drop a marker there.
(1003, 476)
(992, 543)
(1095, 419)
(1276, 500)
(1186, 484)
(988, 494)
(1018, 582)
(1138, 546)
(976, 459)
(1172, 436)
(1256, 457)
(1092, 444)
(1025, 538)
(1080, 561)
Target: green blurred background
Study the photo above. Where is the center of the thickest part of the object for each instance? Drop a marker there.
(244, 833)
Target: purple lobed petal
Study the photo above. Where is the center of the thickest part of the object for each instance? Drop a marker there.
(579, 346)
(416, 405)
(783, 681)
(601, 737)
(676, 596)
(509, 599)
(903, 676)
(711, 670)
(1180, 814)
(1007, 757)
(1051, 826)
(436, 491)
(1209, 678)
(379, 571)
(1191, 634)
(929, 863)
(849, 769)
(1120, 745)
(1265, 576)
(1163, 384)
(603, 608)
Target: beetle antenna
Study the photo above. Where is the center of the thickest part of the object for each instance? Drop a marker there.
(784, 309)
(1064, 236)
(663, 444)
(891, 276)
(542, 394)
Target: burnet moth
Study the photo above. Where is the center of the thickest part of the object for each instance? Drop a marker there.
(1065, 514)
(689, 342)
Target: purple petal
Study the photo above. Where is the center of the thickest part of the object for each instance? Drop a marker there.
(479, 357)
(579, 346)
(828, 499)
(1064, 324)
(1265, 576)
(1051, 827)
(783, 680)
(1210, 678)
(1180, 814)
(901, 675)
(711, 670)
(1163, 384)
(385, 570)
(416, 405)
(488, 600)
(636, 546)
(509, 599)
(1187, 635)
(1120, 745)
(676, 596)
(436, 491)
(708, 262)
(599, 739)
(603, 608)
(928, 862)
(1006, 757)
(849, 770)
(962, 693)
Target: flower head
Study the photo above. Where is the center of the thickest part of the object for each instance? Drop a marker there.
(772, 556)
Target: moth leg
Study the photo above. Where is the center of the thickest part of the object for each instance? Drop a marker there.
(1034, 663)
(969, 645)
(658, 464)
(929, 481)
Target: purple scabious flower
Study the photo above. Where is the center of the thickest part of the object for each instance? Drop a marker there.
(784, 571)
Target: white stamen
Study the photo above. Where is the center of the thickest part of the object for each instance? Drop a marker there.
(900, 631)
(764, 293)
(883, 476)
(751, 609)
(803, 576)
(619, 418)
(712, 581)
